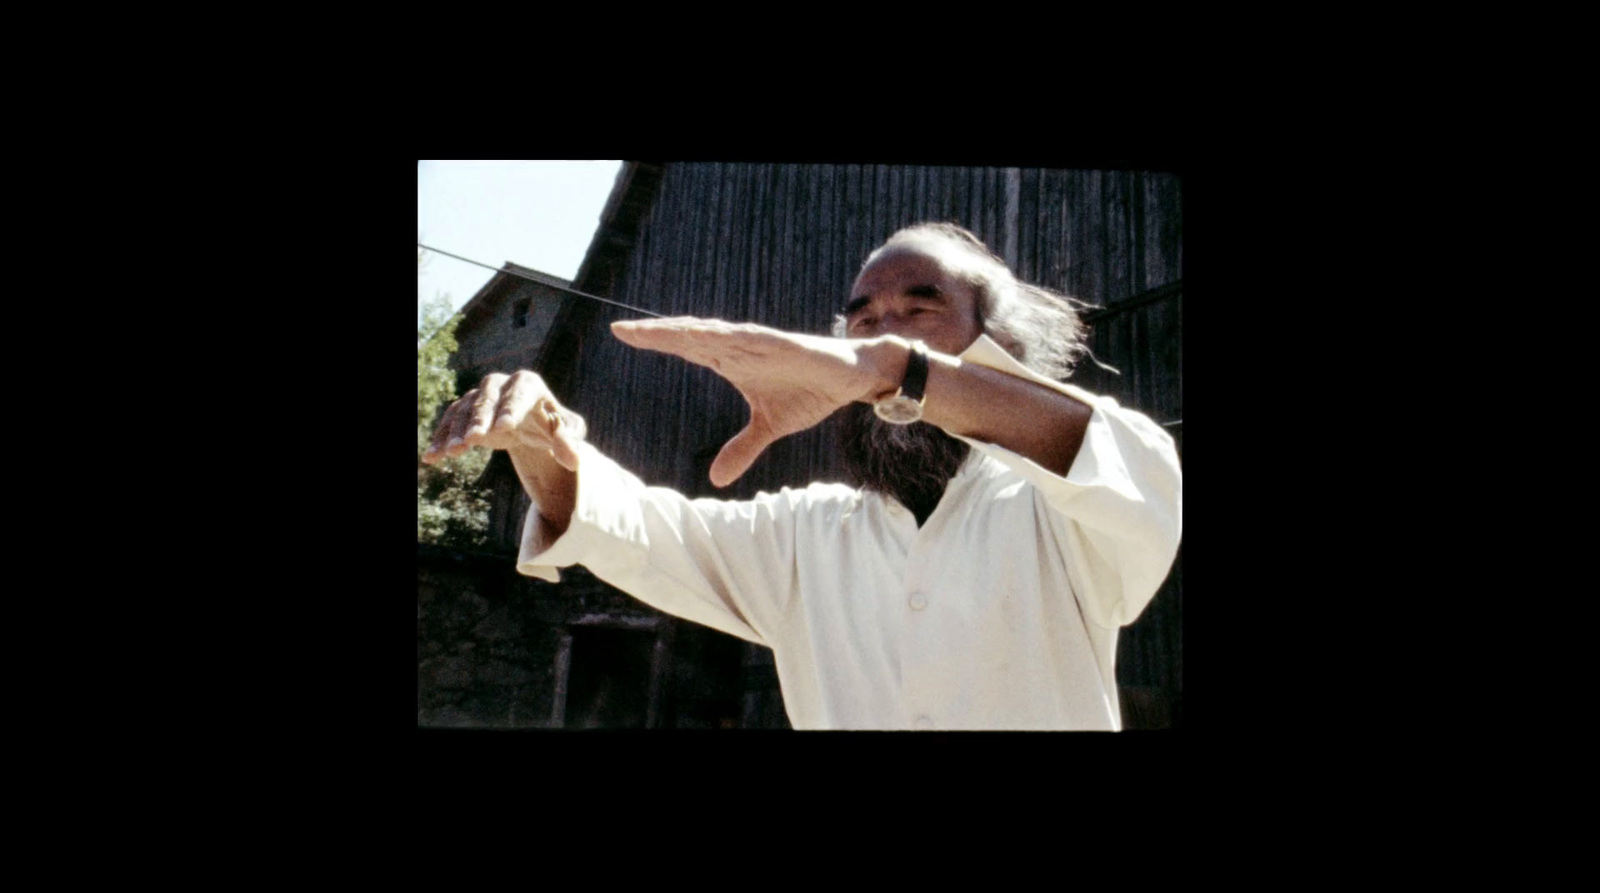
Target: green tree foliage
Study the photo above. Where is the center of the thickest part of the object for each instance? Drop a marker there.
(452, 510)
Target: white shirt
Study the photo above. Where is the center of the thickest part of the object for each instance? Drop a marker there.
(1001, 612)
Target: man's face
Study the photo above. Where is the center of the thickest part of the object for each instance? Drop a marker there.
(911, 290)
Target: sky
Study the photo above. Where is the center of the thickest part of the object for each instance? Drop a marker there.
(539, 214)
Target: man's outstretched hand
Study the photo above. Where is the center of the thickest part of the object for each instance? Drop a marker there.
(791, 381)
(516, 413)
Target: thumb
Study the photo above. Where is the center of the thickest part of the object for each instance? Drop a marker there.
(561, 447)
(738, 455)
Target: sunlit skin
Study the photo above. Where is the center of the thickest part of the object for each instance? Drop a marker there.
(793, 381)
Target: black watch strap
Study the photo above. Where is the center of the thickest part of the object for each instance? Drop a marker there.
(916, 380)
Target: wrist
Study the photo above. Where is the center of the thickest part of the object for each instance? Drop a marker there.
(885, 359)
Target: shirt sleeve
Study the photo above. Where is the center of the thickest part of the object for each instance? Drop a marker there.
(1118, 512)
(727, 565)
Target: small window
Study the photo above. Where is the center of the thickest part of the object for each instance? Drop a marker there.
(519, 315)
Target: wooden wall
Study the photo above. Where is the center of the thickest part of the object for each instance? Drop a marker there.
(779, 244)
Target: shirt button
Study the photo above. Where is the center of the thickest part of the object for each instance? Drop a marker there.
(918, 601)
(924, 722)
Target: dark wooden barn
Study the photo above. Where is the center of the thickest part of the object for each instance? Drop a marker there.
(775, 244)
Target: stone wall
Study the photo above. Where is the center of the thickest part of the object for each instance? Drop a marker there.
(496, 649)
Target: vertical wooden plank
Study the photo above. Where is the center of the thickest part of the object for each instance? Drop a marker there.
(726, 234)
(980, 203)
(957, 177)
(906, 191)
(882, 202)
(660, 664)
(1009, 218)
(1027, 224)
(842, 256)
(850, 192)
(1092, 254)
(671, 238)
(783, 250)
(1037, 246)
(709, 237)
(673, 274)
(951, 191)
(743, 222)
(759, 226)
(994, 185)
(975, 201)
(1056, 267)
(1174, 215)
(696, 237)
(828, 285)
(994, 202)
(1075, 226)
(685, 240)
(729, 259)
(983, 206)
(822, 215)
(775, 238)
(1149, 228)
(813, 232)
(701, 236)
(920, 212)
(563, 670)
(1166, 355)
(807, 233)
(1137, 244)
(893, 201)
(1114, 235)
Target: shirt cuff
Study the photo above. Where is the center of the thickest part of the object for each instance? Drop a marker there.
(604, 512)
(1099, 462)
(1125, 479)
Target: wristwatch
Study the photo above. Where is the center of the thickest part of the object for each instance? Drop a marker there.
(905, 406)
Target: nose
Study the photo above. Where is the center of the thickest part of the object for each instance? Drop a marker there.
(894, 322)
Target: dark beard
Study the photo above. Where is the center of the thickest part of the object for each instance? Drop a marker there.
(913, 463)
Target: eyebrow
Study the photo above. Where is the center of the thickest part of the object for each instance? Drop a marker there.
(915, 291)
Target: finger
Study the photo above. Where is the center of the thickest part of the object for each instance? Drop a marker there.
(455, 443)
(640, 332)
(481, 415)
(443, 433)
(563, 448)
(521, 394)
(738, 454)
(548, 427)
(696, 340)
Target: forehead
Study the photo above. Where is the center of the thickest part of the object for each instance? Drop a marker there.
(899, 264)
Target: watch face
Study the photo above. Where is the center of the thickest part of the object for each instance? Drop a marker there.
(898, 410)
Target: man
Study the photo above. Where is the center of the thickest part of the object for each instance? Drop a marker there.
(1006, 526)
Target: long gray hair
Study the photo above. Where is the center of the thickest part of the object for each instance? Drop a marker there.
(1039, 327)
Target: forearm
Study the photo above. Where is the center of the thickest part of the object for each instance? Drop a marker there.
(553, 489)
(985, 404)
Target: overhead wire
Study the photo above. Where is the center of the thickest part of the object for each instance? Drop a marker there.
(567, 289)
